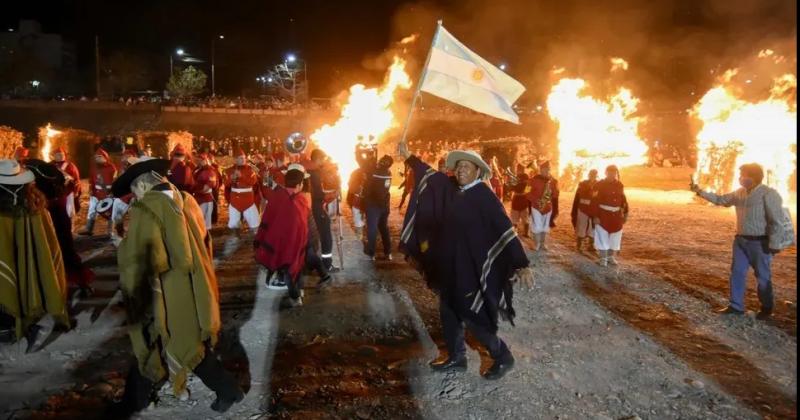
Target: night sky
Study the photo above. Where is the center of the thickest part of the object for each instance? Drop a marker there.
(671, 45)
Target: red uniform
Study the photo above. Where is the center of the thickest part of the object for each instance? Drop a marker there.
(180, 175)
(519, 201)
(239, 184)
(543, 195)
(73, 185)
(497, 186)
(609, 204)
(205, 182)
(101, 177)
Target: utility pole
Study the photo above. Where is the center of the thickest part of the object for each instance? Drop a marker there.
(213, 73)
(97, 65)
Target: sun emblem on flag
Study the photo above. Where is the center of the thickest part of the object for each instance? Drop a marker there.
(477, 75)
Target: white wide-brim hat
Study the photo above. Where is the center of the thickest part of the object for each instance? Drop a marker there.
(11, 173)
(470, 156)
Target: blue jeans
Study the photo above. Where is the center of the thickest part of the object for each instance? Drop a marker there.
(751, 253)
(378, 220)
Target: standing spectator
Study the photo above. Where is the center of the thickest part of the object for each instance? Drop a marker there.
(758, 214)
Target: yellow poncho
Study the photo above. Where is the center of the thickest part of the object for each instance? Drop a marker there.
(32, 278)
(167, 277)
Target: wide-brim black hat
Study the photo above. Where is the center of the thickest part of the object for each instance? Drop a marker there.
(49, 179)
(122, 185)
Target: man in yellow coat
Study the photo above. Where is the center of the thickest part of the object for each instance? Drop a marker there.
(32, 279)
(167, 278)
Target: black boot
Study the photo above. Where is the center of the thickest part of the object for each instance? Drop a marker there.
(449, 364)
(499, 368)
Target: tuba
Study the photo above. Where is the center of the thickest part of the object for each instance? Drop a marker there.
(295, 143)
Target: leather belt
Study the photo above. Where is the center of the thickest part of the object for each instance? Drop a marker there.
(609, 208)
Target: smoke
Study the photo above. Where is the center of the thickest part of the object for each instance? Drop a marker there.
(676, 50)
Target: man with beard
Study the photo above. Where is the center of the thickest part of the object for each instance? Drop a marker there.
(456, 232)
(170, 289)
(609, 211)
(543, 199)
(581, 220)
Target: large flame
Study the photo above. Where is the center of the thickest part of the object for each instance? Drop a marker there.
(46, 134)
(593, 133)
(367, 112)
(736, 131)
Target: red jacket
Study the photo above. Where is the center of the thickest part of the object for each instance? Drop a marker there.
(244, 179)
(519, 201)
(497, 186)
(283, 233)
(544, 195)
(74, 185)
(205, 176)
(180, 175)
(100, 180)
(583, 200)
(609, 205)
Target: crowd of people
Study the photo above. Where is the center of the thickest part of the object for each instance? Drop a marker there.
(456, 233)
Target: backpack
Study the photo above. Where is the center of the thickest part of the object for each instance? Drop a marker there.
(781, 231)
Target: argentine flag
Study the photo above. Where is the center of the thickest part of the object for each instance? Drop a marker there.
(455, 73)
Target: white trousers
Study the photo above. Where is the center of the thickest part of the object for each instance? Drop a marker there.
(118, 210)
(583, 226)
(92, 214)
(208, 210)
(358, 218)
(541, 222)
(71, 205)
(604, 241)
(250, 217)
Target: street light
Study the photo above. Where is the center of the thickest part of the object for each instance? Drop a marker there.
(213, 66)
(179, 51)
(502, 66)
(291, 58)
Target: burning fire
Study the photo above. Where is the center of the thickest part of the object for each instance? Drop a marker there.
(367, 112)
(594, 133)
(47, 134)
(736, 131)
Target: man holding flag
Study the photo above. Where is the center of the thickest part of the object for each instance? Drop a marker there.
(471, 258)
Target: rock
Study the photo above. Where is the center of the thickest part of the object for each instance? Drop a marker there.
(697, 384)
(555, 376)
(633, 417)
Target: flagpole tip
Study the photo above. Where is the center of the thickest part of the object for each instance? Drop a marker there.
(439, 22)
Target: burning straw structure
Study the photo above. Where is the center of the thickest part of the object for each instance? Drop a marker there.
(10, 139)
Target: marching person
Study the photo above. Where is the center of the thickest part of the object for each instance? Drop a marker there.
(72, 178)
(120, 205)
(282, 238)
(367, 159)
(240, 179)
(34, 283)
(52, 182)
(609, 211)
(758, 216)
(496, 180)
(215, 191)
(324, 185)
(581, 221)
(101, 176)
(520, 205)
(543, 199)
(180, 172)
(205, 182)
(457, 233)
(170, 290)
(376, 200)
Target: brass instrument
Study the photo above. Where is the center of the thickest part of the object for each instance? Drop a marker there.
(513, 180)
(295, 143)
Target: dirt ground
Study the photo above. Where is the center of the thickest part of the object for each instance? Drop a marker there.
(636, 341)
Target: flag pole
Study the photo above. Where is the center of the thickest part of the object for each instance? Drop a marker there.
(421, 80)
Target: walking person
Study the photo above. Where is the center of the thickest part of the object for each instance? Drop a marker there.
(457, 234)
(609, 210)
(376, 200)
(758, 216)
(581, 221)
(543, 199)
(170, 290)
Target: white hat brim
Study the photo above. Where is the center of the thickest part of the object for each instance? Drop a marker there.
(22, 178)
(458, 155)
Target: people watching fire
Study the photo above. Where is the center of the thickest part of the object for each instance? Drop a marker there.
(758, 227)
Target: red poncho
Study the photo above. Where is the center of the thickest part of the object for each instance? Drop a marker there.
(283, 234)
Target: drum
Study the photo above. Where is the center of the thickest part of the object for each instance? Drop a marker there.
(104, 207)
